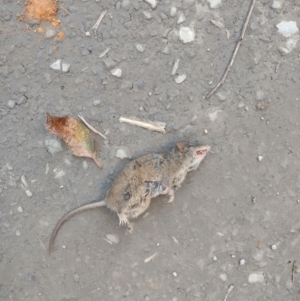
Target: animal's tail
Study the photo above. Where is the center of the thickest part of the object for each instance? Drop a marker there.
(69, 215)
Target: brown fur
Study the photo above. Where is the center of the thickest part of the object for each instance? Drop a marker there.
(143, 179)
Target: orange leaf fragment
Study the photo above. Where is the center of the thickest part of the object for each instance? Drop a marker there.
(78, 137)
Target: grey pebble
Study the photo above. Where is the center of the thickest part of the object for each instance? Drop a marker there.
(11, 104)
(18, 233)
(76, 277)
(28, 193)
(96, 102)
(20, 209)
(123, 153)
(65, 67)
(113, 238)
(53, 146)
(50, 33)
(56, 65)
(9, 167)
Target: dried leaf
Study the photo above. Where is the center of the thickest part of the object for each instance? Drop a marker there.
(79, 138)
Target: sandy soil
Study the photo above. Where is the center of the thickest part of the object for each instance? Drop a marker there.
(235, 221)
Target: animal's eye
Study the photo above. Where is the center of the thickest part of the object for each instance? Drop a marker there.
(199, 152)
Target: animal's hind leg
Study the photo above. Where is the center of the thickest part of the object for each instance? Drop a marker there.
(169, 191)
(123, 221)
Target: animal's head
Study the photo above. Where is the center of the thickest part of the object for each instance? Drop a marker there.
(193, 154)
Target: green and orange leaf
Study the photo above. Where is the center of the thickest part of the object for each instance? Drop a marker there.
(78, 137)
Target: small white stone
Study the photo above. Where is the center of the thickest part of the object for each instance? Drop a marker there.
(147, 15)
(59, 174)
(174, 274)
(88, 34)
(215, 258)
(181, 18)
(223, 277)
(180, 79)
(123, 153)
(18, 233)
(214, 3)
(117, 72)
(287, 28)
(166, 50)
(256, 277)
(153, 3)
(186, 34)
(173, 11)
(20, 209)
(140, 47)
(205, 131)
(274, 247)
(259, 158)
(277, 4)
(28, 193)
(56, 65)
(65, 67)
(113, 238)
(11, 104)
(242, 261)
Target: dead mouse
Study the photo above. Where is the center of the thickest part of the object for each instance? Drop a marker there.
(143, 179)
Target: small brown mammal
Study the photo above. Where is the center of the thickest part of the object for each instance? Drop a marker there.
(143, 179)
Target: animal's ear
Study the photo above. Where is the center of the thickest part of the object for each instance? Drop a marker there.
(181, 147)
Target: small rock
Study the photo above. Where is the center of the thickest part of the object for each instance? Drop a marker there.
(123, 153)
(175, 66)
(223, 95)
(287, 28)
(223, 277)
(53, 146)
(259, 158)
(174, 274)
(113, 238)
(65, 67)
(166, 50)
(173, 11)
(9, 167)
(214, 3)
(213, 114)
(153, 3)
(56, 65)
(274, 247)
(126, 84)
(117, 72)
(186, 34)
(20, 209)
(96, 102)
(256, 278)
(109, 63)
(215, 258)
(242, 262)
(87, 34)
(59, 174)
(50, 33)
(260, 95)
(11, 104)
(277, 4)
(28, 193)
(140, 48)
(147, 15)
(180, 78)
(18, 233)
(181, 18)
(76, 277)
(84, 165)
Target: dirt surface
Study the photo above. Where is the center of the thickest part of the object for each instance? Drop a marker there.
(235, 221)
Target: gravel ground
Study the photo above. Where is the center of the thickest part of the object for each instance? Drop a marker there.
(235, 221)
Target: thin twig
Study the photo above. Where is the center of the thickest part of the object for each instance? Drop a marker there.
(229, 290)
(293, 270)
(104, 53)
(150, 258)
(152, 126)
(221, 82)
(90, 127)
(98, 22)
